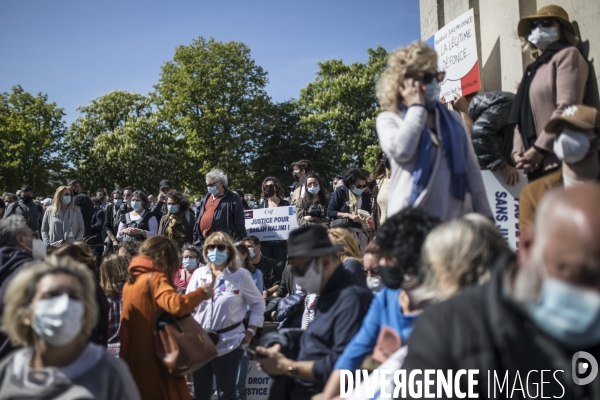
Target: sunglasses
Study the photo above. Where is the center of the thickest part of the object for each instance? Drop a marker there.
(427, 77)
(546, 23)
(220, 247)
(374, 271)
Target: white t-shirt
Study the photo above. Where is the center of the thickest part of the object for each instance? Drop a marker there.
(234, 293)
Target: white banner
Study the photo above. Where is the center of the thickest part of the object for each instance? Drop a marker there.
(456, 46)
(504, 202)
(271, 223)
(258, 383)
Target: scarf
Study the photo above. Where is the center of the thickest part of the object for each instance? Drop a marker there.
(174, 220)
(521, 113)
(454, 141)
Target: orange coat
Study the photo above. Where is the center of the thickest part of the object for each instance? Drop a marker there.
(137, 342)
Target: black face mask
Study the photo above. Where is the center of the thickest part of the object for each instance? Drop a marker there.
(296, 176)
(385, 162)
(27, 200)
(269, 192)
(392, 277)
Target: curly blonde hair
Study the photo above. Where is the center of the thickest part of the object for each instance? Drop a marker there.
(402, 63)
(23, 287)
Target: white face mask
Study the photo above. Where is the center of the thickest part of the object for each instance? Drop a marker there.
(57, 320)
(252, 252)
(543, 37)
(374, 283)
(312, 280)
(571, 146)
(38, 249)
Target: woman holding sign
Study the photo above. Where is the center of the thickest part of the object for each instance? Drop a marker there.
(272, 192)
(433, 164)
(555, 80)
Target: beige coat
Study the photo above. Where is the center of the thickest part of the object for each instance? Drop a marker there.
(558, 84)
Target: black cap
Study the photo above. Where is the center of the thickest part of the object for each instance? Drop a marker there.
(311, 241)
(165, 183)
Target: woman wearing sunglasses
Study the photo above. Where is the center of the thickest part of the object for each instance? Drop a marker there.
(234, 293)
(351, 206)
(432, 161)
(555, 80)
(272, 192)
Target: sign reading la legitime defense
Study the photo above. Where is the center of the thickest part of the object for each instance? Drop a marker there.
(456, 46)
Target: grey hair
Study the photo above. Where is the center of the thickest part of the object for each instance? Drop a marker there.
(463, 250)
(9, 229)
(217, 175)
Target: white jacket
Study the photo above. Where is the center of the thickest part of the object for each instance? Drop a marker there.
(399, 137)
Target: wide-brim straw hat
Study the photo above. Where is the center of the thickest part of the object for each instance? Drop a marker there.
(551, 11)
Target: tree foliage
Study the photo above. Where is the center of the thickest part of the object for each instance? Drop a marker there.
(31, 132)
(212, 94)
(342, 102)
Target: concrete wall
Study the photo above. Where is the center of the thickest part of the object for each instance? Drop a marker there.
(499, 48)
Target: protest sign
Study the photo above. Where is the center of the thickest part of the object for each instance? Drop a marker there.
(456, 46)
(271, 223)
(504, 202)
(258, 383)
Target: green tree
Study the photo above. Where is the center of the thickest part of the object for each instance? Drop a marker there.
(102, 118)
(212, 95)
(31, 132)
(285, 140)
(342, 102)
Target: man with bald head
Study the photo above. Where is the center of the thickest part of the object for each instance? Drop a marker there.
(534, 314)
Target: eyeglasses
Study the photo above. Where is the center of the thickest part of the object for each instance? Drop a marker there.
(220, 247)
(427, 77)
(303, 269)
(373, 271)
(546, 23)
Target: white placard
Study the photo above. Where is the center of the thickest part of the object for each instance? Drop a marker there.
(271, 223)
(504, 202)
(258, 383)
(456, 46)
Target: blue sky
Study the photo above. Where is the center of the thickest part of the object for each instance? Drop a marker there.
(75, 51)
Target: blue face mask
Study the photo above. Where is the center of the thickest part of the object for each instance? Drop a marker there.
(66, 200)
(118, 202)
(189, 263)
(217, 257)
(125, 201)
(173, 208)
(568, 313)
(213, 190)
(357, 192)
(136, 205)
(432, 91)
(313, 190)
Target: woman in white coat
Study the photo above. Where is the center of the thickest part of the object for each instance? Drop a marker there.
(433, 163)
(62, 221)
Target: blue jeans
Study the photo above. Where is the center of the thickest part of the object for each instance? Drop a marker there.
(278, 253)
(225, 370)
(242, 374)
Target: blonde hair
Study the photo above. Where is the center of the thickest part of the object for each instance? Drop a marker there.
(407, 61)
(113, 273)
(225, 239)
(463, 250)
(56, 199)
(23, 287)
(351, 249)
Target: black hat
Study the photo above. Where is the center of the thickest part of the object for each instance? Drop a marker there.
(311, 241)
(165, 183)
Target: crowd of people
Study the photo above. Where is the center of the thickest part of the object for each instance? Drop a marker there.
(400, 268)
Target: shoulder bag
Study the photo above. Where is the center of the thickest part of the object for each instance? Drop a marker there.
(180, 344)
